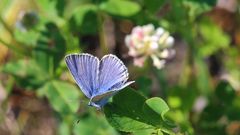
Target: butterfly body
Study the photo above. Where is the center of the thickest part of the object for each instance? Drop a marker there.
(98, 79)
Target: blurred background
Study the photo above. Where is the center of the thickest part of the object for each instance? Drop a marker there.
(200, 82)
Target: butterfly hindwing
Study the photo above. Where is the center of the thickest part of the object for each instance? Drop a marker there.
(84, 69)
(113, 73)
(112, 78)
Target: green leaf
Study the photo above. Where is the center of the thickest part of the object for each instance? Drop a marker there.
(84, 20)
(27, 73)
(203, 75)
(123, 8)
(94, 121)
(214, 38)
(208, 2)
(61, 96)
(225, 92)
(64, 129)
(196, 8)
(177, 97)
(156, 104)
(50, 48)
(28, 38)
(145, 132)
(127, 115)
(135, 113)
(49, 9)
(144, 84)
(153, 5)
(155, 110)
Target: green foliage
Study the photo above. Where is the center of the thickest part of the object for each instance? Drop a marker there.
(225, 97)
(144, 85)
(156, 105)
(153, 5)
(60, 95)
(50, 48)
(136, 112)
(124, 8)
(96, 122)
(28, 38)
(85, 20)
(48, 8)
(27, 72)
(214, 38)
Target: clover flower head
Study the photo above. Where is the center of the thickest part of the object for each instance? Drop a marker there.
(146, 41)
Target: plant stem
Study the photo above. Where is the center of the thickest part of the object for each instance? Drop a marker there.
(102, 37)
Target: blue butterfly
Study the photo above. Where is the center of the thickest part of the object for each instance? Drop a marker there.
(98, 79)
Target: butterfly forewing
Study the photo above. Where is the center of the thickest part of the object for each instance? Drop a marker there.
(84, 69)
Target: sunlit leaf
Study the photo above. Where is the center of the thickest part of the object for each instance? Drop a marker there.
(28, 38)
(123, 8)
(214, 38)
(158, 105)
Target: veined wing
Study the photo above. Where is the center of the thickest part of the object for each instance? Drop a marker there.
(112, 78)
(84, 69)
(113, 73)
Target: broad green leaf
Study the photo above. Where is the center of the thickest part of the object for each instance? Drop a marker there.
(125, 112)
(93, 124)
(135, 113)
(27, 73)
(158, 105)
(85, 20)
(123, 8)
(155, 110)
(63, 96)
(145, 132)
